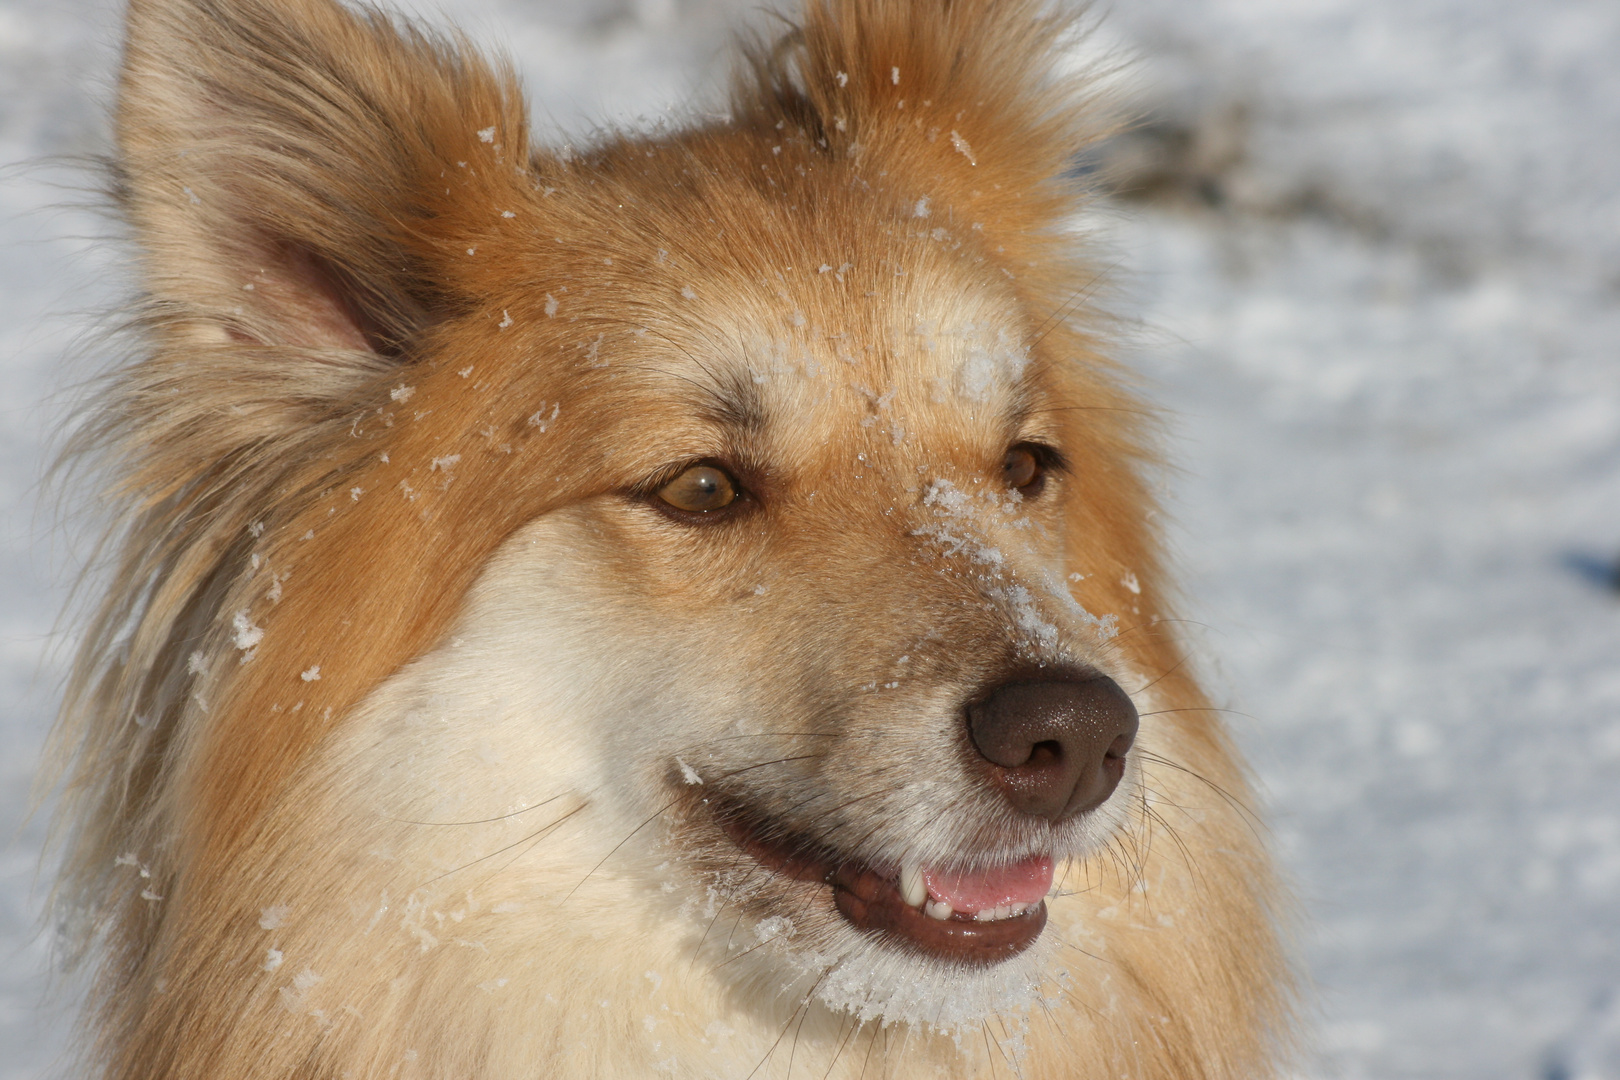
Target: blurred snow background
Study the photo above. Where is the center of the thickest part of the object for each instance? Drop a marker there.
(1372, 252)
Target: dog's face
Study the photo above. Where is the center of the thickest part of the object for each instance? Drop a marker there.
(575, 608)
(807, 630)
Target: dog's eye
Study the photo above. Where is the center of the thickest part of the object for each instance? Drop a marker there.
(700, 489)
(1022, 468)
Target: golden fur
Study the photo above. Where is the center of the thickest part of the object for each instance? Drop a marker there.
(388, 752)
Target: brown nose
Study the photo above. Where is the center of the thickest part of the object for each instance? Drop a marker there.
(1056, 746)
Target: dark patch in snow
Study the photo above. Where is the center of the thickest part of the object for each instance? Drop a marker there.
(1599, 571)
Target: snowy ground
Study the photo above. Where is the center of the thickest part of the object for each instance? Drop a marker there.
(1376, 269)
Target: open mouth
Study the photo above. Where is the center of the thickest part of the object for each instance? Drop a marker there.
(970, 916)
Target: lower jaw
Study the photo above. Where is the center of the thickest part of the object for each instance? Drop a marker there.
(872, 904)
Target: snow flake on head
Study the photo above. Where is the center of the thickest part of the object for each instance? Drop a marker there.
(1106, 627)
(247, 635)
(958, 533)
(951, 500)
(543, 420)
(991, 361)
(959, 529)
(294, 996)
(963, 148)
(1027, 616)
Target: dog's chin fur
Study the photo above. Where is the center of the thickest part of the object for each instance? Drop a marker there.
(423, 732)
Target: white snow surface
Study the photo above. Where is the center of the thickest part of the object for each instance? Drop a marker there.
(1390, 362)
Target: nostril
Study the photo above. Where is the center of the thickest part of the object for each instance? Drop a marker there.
(1054, 747)
(1049, 752)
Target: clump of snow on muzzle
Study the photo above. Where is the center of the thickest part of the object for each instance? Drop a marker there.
(959, 530)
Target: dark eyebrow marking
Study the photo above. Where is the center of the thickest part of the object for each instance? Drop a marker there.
(735, 399)
(731, 398)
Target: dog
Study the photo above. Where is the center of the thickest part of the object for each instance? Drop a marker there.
(689, 606)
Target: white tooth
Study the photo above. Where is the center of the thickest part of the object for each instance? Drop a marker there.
(939, 909)
(912, 889)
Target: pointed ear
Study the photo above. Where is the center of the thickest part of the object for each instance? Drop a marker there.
(975, 104)
(288, 167)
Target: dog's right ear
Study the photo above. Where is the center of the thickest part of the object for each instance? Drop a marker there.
(291, 170)
(305, 185)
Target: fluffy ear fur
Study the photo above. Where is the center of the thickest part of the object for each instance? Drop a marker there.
(974, 103)
(286, 168)
(293, 174)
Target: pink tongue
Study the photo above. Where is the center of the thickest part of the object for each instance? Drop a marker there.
(1021, 883)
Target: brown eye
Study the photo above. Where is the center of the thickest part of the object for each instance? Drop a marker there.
(700, 489)
(1021, 468)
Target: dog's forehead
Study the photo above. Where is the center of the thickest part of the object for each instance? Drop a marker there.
(934, 362)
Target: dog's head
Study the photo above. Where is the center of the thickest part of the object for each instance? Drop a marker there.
(814, 614)
(742, 521)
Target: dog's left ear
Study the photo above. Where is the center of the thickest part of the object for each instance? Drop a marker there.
(293, 170)
(974, 107)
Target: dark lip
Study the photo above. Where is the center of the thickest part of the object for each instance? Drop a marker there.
(870, 901)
